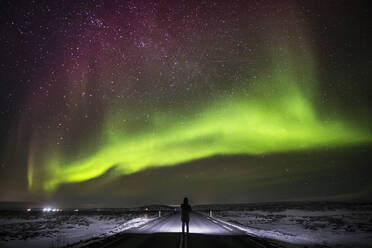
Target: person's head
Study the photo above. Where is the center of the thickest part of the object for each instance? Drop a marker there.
(185, 200)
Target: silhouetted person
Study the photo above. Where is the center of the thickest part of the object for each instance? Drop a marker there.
(185, 217)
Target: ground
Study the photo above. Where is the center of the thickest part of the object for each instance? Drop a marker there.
(320, 224)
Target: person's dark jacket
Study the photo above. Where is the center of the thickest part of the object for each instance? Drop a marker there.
(185, 210)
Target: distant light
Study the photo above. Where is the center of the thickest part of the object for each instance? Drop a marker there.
(76, 210)
(28, 210)
(47, 209)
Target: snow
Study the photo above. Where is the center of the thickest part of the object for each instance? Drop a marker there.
(294, 226)
(60, 229)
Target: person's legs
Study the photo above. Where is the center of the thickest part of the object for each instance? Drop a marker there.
(183, 227)
(187, 226)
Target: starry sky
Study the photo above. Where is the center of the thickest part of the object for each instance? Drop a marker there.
(122, 103)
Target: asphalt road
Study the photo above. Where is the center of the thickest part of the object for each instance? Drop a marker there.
(165, 232)
(198, 224)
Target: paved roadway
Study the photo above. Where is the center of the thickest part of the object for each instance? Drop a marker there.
(165, 231)
(198, 224)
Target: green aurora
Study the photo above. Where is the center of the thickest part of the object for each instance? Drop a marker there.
(276, 115)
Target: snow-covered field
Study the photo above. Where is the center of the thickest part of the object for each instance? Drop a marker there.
(328, 225)
(294, 224)
(58, 229)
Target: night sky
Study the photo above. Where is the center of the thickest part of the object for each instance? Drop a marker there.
(122, 103)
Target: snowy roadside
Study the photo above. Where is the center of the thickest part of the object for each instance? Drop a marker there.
(59, 230)
(339, 228)
(133, 223)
